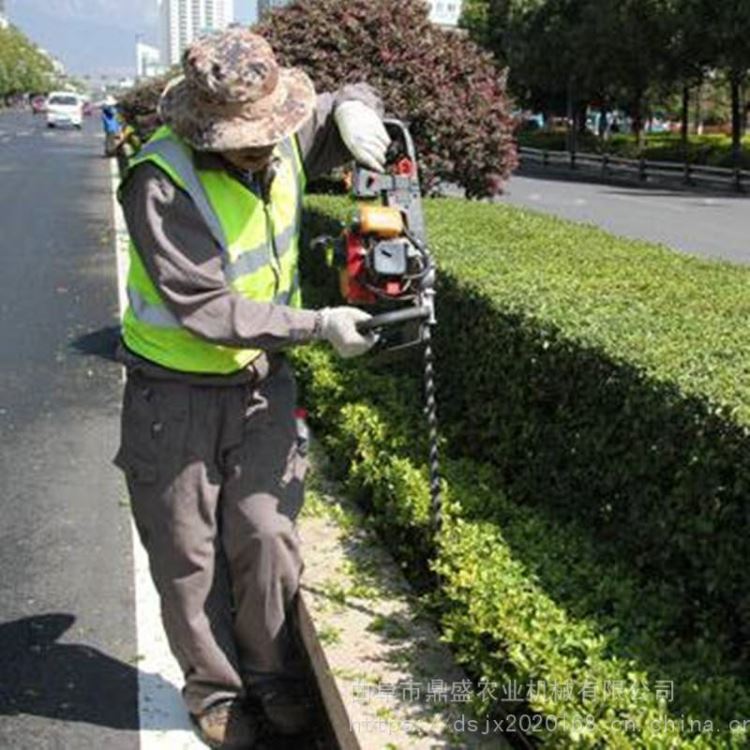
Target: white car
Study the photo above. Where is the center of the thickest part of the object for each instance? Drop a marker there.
(64, 108)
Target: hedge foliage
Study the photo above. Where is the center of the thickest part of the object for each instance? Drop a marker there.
(594, 411)
(448, 89)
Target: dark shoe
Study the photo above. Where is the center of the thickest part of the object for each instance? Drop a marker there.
(288, 706)
(227, 726)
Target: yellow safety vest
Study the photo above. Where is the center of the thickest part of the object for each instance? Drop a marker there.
(259, 245)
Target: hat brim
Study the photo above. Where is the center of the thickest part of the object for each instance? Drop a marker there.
(212, 131)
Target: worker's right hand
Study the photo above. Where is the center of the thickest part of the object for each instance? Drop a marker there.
(338, 326)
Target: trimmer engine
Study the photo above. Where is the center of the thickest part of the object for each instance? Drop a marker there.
(382, 257)
(384, 264)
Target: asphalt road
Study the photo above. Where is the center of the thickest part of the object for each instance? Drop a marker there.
(70, 665)
(67, 625)
(713, 225)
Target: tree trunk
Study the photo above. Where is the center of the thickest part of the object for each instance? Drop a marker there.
(638, 122)
(572, 130)
(581, 118)
(698, 121)
(603, 130)
(684, 121)
(735, 82)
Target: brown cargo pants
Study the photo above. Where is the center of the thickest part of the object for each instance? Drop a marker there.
(215, 475)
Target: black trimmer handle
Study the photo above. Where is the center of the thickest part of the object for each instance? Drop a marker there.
(399, 129)
(393, 318)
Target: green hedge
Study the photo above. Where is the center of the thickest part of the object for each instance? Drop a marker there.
(608, 380)
(594, 410)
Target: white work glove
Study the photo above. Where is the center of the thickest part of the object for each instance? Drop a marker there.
(338, 326)
(363, 132)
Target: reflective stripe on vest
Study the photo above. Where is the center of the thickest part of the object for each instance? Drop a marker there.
(243, 227)
(154, 315)
(180, 160)
(251, 260)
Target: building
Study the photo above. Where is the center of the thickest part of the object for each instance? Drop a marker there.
(148, 61)
(442, 12)
(3, 16)
(266, 5)
(445, 12)
(182, 21)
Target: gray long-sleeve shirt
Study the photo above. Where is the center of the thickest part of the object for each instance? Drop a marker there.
(184, 261)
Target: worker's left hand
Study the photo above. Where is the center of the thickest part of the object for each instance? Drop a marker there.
(363, 132)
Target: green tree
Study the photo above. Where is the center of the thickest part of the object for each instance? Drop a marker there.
(688, 60)
(518, 33)
(577, 51)
(728, 29)
(492, 23)
(625, 45)
(23, 68)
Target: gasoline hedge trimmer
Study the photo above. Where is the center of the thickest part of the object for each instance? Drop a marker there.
(386, 267)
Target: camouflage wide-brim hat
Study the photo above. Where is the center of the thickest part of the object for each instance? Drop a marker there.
(234, 95)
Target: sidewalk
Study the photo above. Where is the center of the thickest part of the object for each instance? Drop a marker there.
(387, 679)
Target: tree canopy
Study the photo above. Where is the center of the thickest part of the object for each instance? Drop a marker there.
(621, 53)
(23, 67)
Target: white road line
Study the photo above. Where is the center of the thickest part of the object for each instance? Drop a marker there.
(648, 202)
(162, 715)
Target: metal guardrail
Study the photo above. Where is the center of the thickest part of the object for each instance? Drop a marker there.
(609, 166)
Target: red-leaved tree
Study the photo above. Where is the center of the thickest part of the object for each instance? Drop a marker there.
(444, 86)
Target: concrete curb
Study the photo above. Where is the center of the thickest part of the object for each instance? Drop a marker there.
(326, 683)
(386, 679)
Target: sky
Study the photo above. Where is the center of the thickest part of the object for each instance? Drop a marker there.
(95, 37)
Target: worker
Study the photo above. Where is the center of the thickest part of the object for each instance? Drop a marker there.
(213, 459)
(128, 144)
(111, 125)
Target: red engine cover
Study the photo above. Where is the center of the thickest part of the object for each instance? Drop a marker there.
(355, 269)
(354, 275)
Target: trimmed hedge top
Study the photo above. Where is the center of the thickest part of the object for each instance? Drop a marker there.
(580, 378)
(682, 319)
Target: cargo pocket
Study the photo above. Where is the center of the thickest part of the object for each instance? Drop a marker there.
(152, 414)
